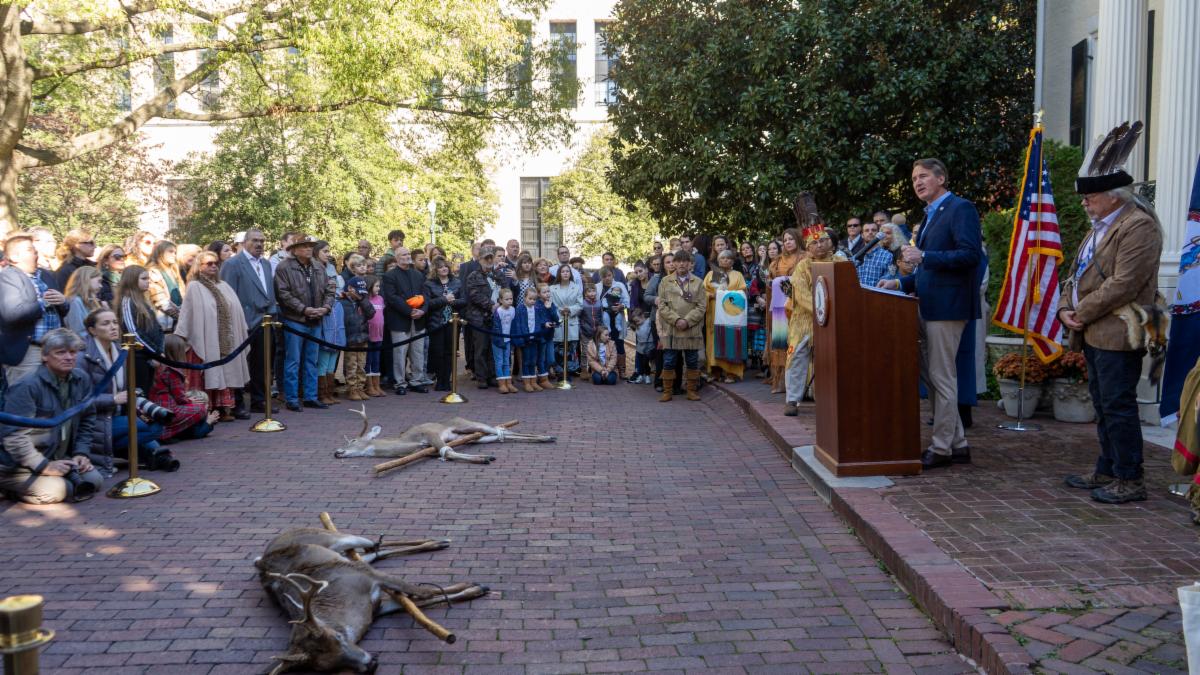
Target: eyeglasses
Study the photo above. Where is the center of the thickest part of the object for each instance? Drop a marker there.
(87, 243)
(209, 263)
(117, 256)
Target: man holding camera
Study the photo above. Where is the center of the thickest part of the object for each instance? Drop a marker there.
(47, 466)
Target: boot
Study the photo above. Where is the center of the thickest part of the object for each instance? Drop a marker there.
(533, 382)
(777, 379)
(373, 382)
(333, 397)
(504, 387)
(530, 387)
(668, 386)
(543, 381)
(691, 382)
(356, 393)
(1121, 491)
(327, 397)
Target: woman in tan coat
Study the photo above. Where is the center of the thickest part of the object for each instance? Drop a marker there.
(681, 300)
(212, 322)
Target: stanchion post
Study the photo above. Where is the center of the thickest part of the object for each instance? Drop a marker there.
(21, 633)
(454, 396)
(266, 424)
(133, 486)
(566, 329)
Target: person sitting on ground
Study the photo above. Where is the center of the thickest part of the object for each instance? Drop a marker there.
(192, 418)
(602, 358)
(112, 418)
(47, 466)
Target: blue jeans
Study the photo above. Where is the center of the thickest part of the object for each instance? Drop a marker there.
(691, 358)
(372, 367)
(147, 437)
(502, 357)
(1112, 382)
(611, 378)
(572, 356)
(298, 350)
(529, 360)
(545, 357)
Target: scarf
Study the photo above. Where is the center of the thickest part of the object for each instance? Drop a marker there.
(224, 319)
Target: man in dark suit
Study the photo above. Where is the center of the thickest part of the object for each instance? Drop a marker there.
(251, 276)
(947, 252)
(404, 321)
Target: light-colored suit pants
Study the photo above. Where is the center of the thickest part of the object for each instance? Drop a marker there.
(415, 351)
(795, 378)
(939, 345)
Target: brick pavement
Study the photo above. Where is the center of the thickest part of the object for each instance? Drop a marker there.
(615, 550)
(1061, 582)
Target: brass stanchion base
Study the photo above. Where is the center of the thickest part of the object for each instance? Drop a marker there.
(133, 487)
(563, 383)
(267, 425)
(453, 397)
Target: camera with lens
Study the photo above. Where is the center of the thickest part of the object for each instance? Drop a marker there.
(153, 411)
(81, 490)
(158, 459)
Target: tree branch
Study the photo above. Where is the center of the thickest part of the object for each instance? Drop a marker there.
(47, 27)
(129, 57)
(277, 109)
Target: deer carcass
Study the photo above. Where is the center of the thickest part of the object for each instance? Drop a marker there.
(430, 435)
(332, 599)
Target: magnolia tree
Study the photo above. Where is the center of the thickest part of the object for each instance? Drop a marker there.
(446, 70)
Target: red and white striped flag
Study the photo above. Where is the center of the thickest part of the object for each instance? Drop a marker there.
(1029, 297)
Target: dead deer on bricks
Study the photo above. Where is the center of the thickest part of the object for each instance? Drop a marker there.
(333, 599)
(430, 435)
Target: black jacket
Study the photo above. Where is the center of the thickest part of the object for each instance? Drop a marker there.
(437, 301)
(69, 267)
(478, 293)
(398, 286)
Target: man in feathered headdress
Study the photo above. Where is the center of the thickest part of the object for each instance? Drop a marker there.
(1114, 276)
(799, 287)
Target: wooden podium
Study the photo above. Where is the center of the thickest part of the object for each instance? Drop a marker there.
(866, 373)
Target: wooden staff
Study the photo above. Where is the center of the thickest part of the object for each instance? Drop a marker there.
(409, 606)
(430, 452)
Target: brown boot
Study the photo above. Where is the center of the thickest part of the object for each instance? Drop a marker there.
(373, 385)
(777, 382)
(668, 392)
(529, 385)
(357, 394)
(691, 383)
(333, 395)
(503, 387)
(620, 366)
(543, 381)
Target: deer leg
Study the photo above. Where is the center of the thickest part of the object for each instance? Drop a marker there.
(516, 437)
(448, 453)
(397, 449)
(459, 592)
(384, 552)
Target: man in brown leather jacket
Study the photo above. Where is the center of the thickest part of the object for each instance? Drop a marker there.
(304, 296)
(1116, 265)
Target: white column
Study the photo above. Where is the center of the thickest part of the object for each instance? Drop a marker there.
(1179, 126)
(1120, 79)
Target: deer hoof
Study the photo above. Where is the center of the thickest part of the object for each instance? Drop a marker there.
(490, 459)
(338, 454)
(441, 544)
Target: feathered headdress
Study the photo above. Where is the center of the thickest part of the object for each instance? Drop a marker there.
(808, 218)
(1104, 167)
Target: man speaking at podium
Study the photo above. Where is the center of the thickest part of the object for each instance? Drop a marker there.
(945, 254)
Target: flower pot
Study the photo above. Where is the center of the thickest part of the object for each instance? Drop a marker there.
(1072, 402)
(1008, 395)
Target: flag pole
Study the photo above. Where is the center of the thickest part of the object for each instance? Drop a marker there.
(1036, 208)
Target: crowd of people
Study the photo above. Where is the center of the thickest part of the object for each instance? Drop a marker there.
(357, 326)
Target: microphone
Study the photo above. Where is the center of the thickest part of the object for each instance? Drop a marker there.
(867, 249)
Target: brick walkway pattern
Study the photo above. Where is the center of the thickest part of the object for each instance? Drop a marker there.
(1081, 587)
(664, 537)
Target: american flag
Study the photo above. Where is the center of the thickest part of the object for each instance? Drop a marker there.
(1029, 297)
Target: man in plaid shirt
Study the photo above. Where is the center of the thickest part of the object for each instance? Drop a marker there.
(875, 263)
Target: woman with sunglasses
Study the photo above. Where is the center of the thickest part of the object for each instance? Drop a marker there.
(111, 262)
(75, 251)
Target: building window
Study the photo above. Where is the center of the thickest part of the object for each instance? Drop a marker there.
(209, 91)
(606, 58)
(564, 39)
(535, 237)
(1077, 133)
(180, 206)
(521, 73)
(164, 68)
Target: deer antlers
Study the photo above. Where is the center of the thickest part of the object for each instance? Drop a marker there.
(306, 595)
(366, 422)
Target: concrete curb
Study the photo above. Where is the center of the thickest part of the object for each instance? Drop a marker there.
(956, 601)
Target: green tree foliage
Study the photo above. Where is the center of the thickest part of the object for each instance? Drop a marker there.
(1063, 161)
(728, 110)
(338, 177)
(592, 218)
(454, 69)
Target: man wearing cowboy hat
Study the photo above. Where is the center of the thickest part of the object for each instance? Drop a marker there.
(304, 297)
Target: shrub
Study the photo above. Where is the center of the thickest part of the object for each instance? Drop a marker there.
(1008, 367)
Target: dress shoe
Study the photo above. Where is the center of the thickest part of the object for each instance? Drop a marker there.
(241, 414)
(791, 410)
(419, 388)
(932, 460)
(399, 391)
(293, 406)
(309, 403)
(961, 455)
(1088, 481)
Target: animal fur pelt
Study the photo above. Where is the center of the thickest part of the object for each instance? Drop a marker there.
(1146, 328)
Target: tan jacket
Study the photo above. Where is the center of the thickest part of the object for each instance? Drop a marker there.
(674, 306)
(1124, 269)
(593, 357)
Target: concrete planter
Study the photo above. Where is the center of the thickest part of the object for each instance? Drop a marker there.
(1072, 402)
(1008, 396)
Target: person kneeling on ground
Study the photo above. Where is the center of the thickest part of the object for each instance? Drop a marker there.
(192, 418)
(47, 466)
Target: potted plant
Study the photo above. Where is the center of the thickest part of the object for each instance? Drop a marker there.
(1008, 375)
(1072, 402)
